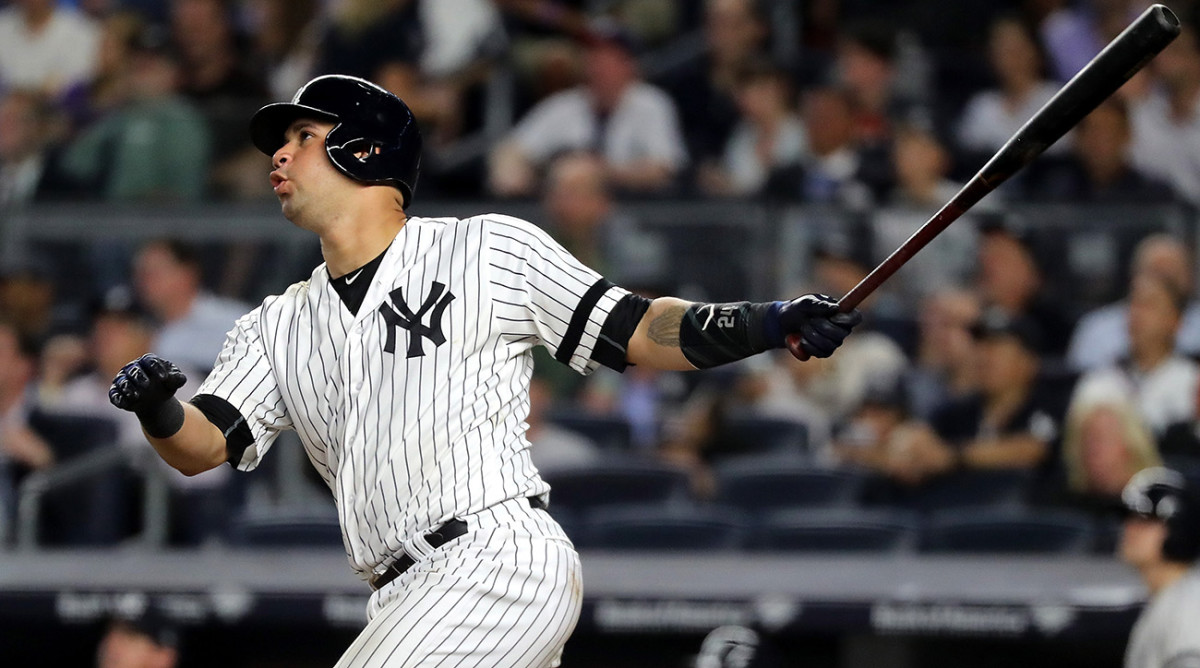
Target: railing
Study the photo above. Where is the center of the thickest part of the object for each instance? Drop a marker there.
(37, 485)
(706, 249)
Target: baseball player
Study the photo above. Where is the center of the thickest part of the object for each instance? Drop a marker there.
(403, 363)
(1162, 540)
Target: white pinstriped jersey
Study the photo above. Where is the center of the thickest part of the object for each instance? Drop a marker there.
(413, 410)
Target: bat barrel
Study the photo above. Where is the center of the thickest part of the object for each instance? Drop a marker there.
(1109, 70)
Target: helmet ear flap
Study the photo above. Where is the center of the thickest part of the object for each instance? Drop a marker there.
(1182, 543)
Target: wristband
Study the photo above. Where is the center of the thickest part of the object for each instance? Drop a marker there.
(715, 334)
(163, 420)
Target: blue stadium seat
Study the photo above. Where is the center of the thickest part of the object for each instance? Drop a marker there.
(655, 528)
(287, 527)
(767, 484)
(611, 433)
(616, 482)
(837, 530)
(966, 489)
(1007, 531)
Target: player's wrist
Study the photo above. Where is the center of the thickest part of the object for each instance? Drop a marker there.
(162, 419)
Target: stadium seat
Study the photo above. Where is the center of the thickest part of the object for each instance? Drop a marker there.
(965, 489)
(616, 482)
(746, 435)
(654, 528)
(70, 436)
(288, 527)
(1007, 531)
(611, 433)
(767, 484)
(836, 530)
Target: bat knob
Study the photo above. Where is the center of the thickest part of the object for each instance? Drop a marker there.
(794, 347)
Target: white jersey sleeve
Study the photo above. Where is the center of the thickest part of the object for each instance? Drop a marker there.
(543, 294)
(244, 378)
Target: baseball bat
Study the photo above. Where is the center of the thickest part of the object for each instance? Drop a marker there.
(1109, 70)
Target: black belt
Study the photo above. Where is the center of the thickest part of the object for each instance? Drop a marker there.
(436, 538)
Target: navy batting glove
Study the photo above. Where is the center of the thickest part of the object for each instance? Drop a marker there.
(147, 387)
(813, 325)
(145, 384)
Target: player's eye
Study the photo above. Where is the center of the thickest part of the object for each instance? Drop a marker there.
(305, 134)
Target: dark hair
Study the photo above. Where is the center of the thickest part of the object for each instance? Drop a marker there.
(181, 251)
(878, 38)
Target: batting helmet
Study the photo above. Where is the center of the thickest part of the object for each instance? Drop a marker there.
(375, 138)
(1166, 495)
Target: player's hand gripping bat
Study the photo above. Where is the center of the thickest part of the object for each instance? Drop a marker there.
(1108, 71)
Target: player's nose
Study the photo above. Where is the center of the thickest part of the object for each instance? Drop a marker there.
(280, 158)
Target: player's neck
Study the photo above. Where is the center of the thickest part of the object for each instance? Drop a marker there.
(346, 248)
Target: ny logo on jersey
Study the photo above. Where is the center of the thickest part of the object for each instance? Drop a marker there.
(436, 300)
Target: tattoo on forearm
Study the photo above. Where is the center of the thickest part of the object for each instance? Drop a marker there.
(664, 328)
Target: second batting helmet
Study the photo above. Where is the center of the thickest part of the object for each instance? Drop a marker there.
(374, 140)
(1166, 495)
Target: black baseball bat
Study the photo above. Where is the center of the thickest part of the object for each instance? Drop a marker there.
(1149, 34)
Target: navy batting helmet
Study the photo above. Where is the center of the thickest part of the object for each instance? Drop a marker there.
(1166, 495)
(374, 140)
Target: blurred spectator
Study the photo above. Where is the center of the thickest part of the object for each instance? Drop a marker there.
(148, 640)
(76, 374)
(45, 47)
(1010, 278)
(287, 38)
(872, 437)
(453, 42)
(628, 122)
(20, 448)
(992, 116)
(1105, 442)
(215, 75)
(831, 174)
(542, 35)
(584, 218)
(1102, 336)
(868, 65)
(108, 88)
(944, 369)
(193, 322)
(154, 147)
(705, 88)
(1074, 32)
(1098, 169)
(24, 137)
(29, 299)
(921, 164)
(1011, 422)
(1160, 381)
(365, 35)
(551, 446)
(769, 134)
(1166, 125)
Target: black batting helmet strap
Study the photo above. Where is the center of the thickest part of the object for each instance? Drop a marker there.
(375, 138)
(1168, 496)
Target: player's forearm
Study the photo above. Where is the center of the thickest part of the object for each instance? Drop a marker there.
(1012, 452)
(646, 174)
(197, 447)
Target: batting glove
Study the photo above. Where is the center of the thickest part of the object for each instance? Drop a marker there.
(147, 386)
(814, 327)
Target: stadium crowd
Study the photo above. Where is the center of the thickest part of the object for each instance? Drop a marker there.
(880, 110)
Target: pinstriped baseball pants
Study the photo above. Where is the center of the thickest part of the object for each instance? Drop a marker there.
(505, 594)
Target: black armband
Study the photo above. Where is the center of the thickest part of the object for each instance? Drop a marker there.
(162, 420)
(230, 421)
(613, 343)
(715, 334)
